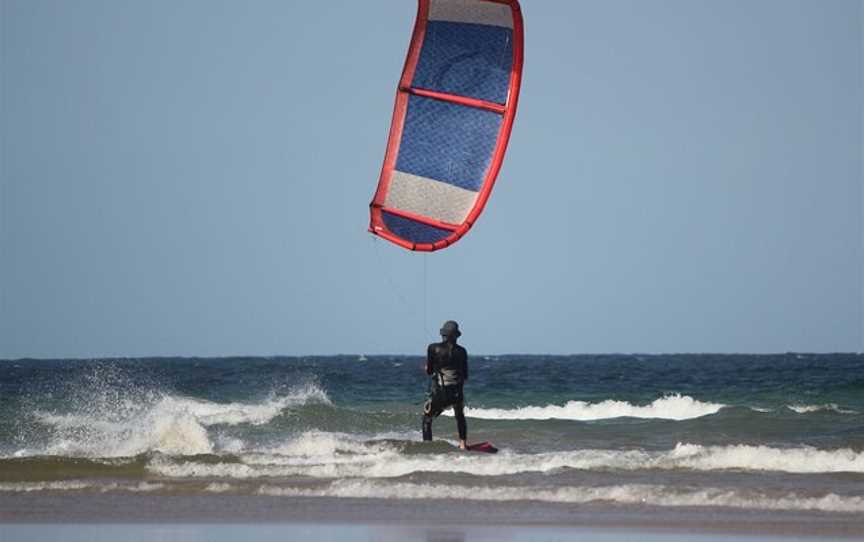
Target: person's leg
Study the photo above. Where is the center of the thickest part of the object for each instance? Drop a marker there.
(430, 412)
(461, 426)
(427, 427)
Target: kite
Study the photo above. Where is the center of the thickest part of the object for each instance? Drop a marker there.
(454, 112)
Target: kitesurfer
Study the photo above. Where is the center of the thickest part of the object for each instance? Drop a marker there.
(447, 363)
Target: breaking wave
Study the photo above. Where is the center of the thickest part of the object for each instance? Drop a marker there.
(832, 407)
(330, 456)
(656, 495)
(670, 407)
(158, 423)
(78, 485)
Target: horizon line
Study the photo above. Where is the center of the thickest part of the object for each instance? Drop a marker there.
(363, 355)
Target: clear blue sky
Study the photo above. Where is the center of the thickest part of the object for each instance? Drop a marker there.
(192, 178)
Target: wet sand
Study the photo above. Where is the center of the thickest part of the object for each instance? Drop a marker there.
(352, 532)
(259, 518)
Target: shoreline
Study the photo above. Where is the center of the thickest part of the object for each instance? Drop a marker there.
(402, 532)
(377, 514)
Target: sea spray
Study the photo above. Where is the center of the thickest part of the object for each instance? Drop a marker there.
(147, 421)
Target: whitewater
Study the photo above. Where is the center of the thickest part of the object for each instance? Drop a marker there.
(622, 431)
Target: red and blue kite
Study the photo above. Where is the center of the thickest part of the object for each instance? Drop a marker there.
(454, 111)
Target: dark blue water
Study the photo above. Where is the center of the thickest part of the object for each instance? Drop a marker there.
(772, 432)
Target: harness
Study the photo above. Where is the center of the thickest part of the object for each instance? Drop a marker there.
(446, 386)
(448, 375)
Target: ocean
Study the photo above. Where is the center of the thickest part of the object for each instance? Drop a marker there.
(764, 434)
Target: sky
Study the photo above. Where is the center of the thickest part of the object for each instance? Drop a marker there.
(192, 177)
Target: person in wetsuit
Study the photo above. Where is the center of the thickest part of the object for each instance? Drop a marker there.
(447, 364)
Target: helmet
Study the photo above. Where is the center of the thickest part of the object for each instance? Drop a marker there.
(450, 329)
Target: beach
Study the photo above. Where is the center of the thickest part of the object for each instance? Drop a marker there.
(262, 519)
(363, 532)
(225, 517)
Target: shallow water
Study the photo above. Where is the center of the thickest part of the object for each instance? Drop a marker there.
(778, 433)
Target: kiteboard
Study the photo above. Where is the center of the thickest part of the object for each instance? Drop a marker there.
(484, 447)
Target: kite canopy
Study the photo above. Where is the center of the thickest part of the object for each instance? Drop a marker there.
(451, 123)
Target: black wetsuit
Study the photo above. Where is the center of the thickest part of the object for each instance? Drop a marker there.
(447, 363)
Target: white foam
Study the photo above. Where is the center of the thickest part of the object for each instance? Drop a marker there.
(27, 487)
(313, 453)
(166, 424)
(639, 494)
(218, 487)
(831, 407)
(78, 485)
(144, 487)
(210, 413)
(194, 469)
(330, 456)
(165, 428)
(671, 407)
(322, 445)
(803, 459)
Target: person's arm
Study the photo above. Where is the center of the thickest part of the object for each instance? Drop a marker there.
(429, 367)
(465, 365)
